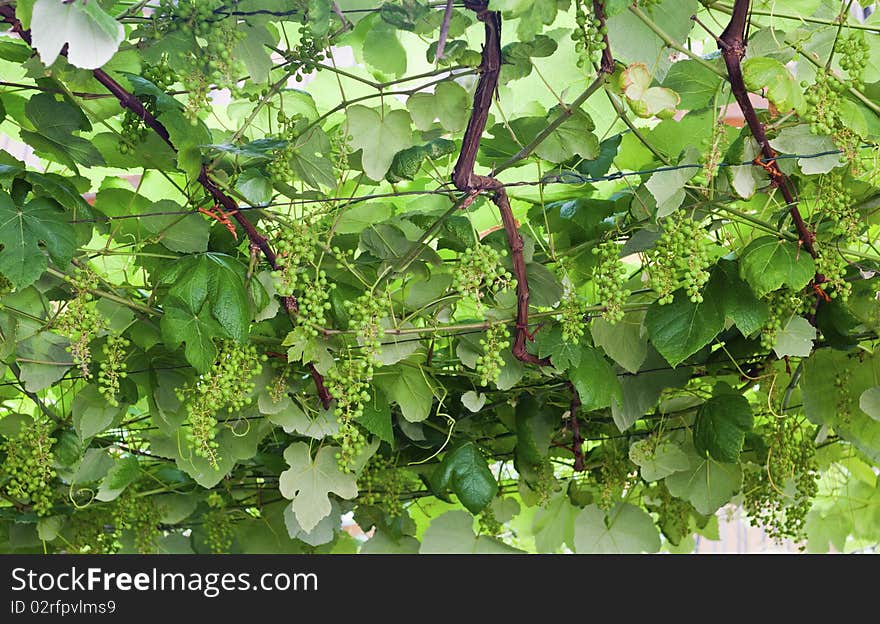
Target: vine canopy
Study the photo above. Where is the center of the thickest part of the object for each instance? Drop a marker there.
(481, 277)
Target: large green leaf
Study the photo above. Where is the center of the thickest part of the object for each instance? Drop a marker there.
(92, 37)
(380, 137)
(595, 381)
(769, 263)
(408, 386)
(23, 228)
(625, 529)
(681, 328)
(706, 484)
(722, 423)
(453, 534)
(465, 471)
(308, 483)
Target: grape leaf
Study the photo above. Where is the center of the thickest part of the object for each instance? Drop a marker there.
(722, 423)
(452, 533)
(658, 459)
(379, 138)
(706, 483)
(92, 36)
(681, 328)
(768, 263)
(625, 529)
(465, 471)
(308, 483)
(595, 381)
(408, 386)
(22, 228)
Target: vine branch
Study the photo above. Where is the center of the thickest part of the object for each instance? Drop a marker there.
(132, 103)
(733, 49)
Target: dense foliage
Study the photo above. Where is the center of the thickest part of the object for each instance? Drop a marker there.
(485, 276)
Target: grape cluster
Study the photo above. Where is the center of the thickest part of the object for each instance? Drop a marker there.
(132, 132)
(571, 316)
(314, 302)
(674, 513)
(779, 493)
(29, 464)
(382, 484)
(853, 52)
(86, 532)
(226, 385)
(609, 276)
(160, 74)
(309, 50)
(113, 368)
(824, 99)
(490, 361)
(782, 305)
(340, 146)
(844, 396)
(216, 35)
(140, 515)
(81, 322)
(833, 266)
(349, 383)
(838, 203)
(365, 314)
(589, 36)
(489, 524)
(218, 525)
(480, 270)
(277, 388)
(294, 249)
(280, 168)
(679, 257)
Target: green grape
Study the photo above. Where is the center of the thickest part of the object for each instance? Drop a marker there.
(295, 248)
(480, 272)
(226, 385)
(132, 133)
(679, 258)
(86, 531)
(853, 52)
(779, 493)
(211, 63)
(314, 302)
(824, 99)
(572, 311)
(489, 524)
(490, 361)
(309, 52)
(836, 201)
(365, 314)
(281, 168)
(140, 515)
(278, 386)
(29, 465)
(349, 384)
(674, 514)
(218, 525)
(609, 276)
(381, 484)
(589, 36)
(832, 265)
(113, 368)
(81, 322)
(782, 305)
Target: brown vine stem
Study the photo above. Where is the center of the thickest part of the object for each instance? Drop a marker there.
(132, 103)
(466, 181)
(733, 49)
(577, 440)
